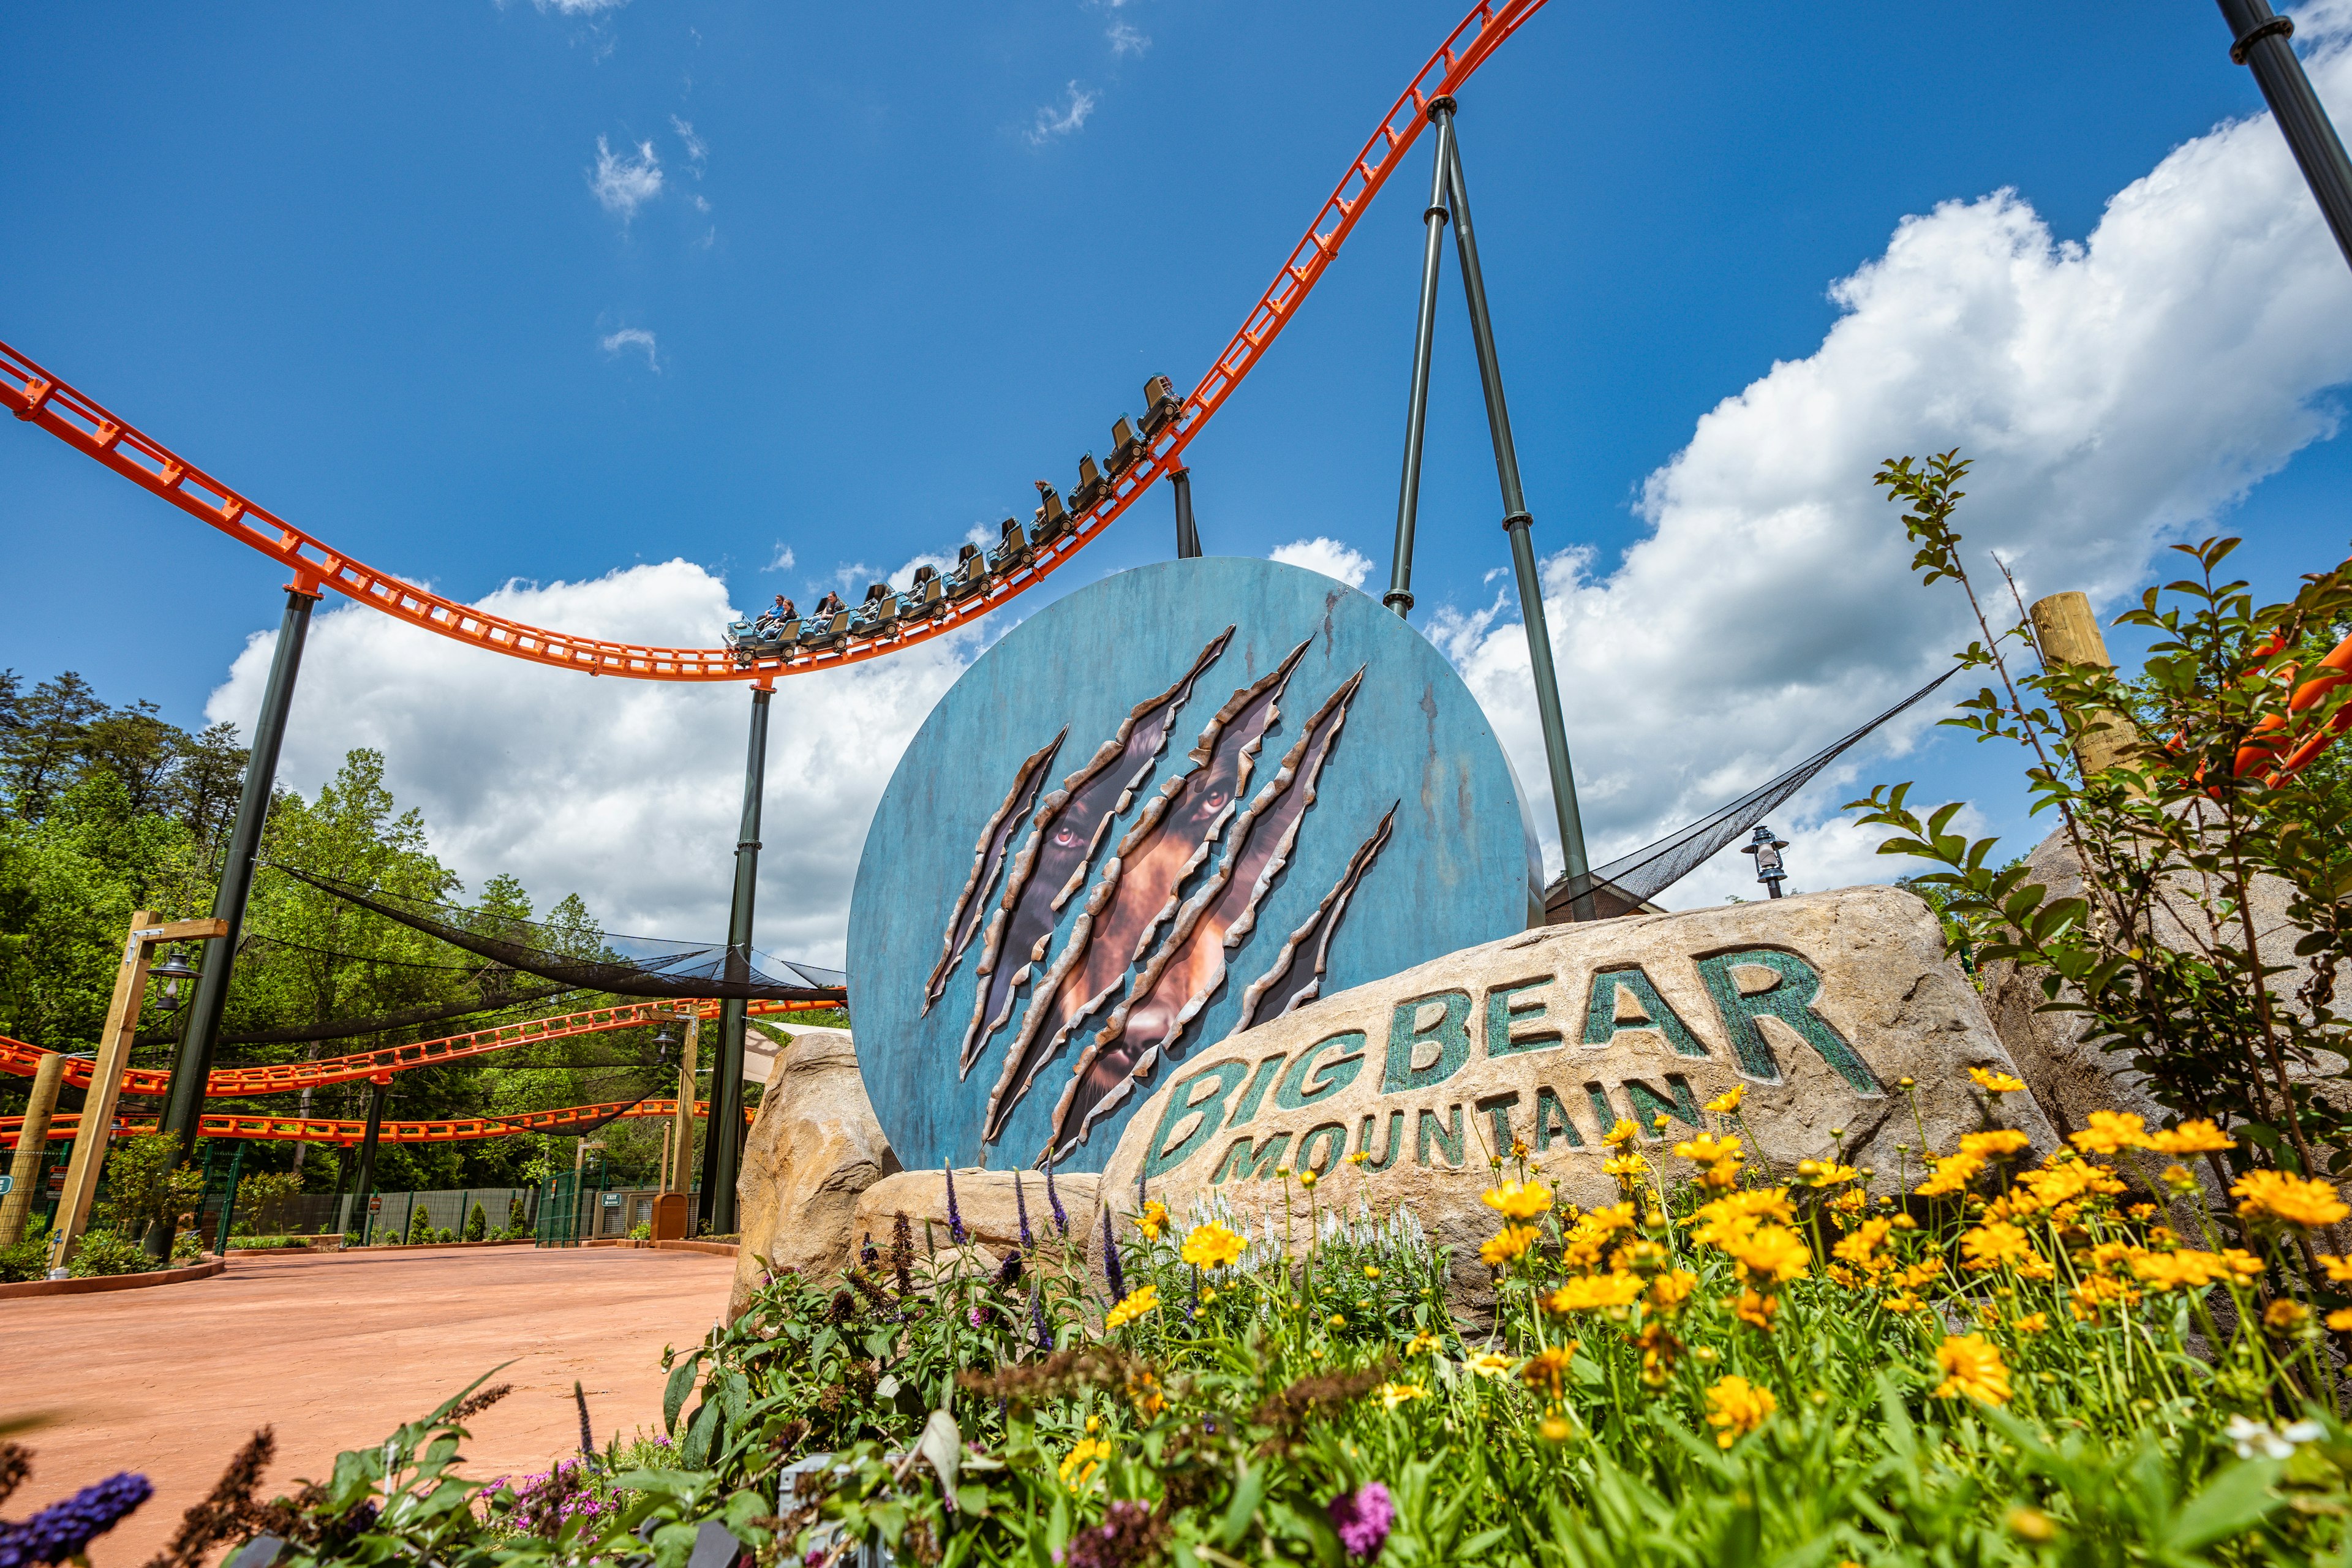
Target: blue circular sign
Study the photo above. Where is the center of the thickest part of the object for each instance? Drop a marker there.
(1181, 801)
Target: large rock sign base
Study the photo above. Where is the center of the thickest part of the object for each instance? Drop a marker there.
(1820, 1005)
(813, 1149)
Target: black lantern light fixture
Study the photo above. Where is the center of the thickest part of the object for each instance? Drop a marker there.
(1767, 850)
(171, 971)
(663, 1041)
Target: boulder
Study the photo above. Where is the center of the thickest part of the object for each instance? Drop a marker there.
(985, 1201)
(2071, 1078)
(1820, 1005)
(814, 1148)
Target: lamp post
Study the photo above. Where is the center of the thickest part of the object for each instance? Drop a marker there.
(1767, 850)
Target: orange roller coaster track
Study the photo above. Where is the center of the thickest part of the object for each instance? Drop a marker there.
(313, 1129)
(277, 1077)
(35, 395)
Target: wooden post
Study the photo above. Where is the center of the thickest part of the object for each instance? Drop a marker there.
(95, 1131)
(2068, 633)
(682, 1123)
(27, 1170)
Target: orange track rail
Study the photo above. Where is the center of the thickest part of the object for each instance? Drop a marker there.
(16, 1056)
(570, 1117)
(35, 395)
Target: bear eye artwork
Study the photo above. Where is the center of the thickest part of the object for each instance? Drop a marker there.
(1190, 798)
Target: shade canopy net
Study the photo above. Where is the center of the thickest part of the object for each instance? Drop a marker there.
(1629, 881)
(599, 961)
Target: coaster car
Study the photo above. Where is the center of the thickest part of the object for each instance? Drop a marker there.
(1012, 550)
(928, 596)
(970, 576)
(1162, 408)
(1091, 488)
(1051, 521)
(762, 638)
(877, 615)
(828, 626)
(1126, 448)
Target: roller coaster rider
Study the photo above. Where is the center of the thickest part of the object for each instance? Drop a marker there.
(777, 615)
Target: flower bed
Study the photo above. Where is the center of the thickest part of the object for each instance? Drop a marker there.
(2004, 1363)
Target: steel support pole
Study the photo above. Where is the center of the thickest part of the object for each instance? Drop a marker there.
(364, 1183)
(1517, 523)
(1424, 340)
(723, 1136)
(228, 1200)
(1188, 537)
(183, 1107)
(2258, 40)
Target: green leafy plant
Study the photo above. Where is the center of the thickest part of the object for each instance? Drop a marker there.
(2180, 842)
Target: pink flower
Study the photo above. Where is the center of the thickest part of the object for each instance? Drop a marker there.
(1362, 1519)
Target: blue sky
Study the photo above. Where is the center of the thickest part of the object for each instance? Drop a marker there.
(355, 260)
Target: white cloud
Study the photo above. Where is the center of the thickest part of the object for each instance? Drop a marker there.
(626, 792)
(624, 183)
(1052, 122)
(1126, 39)
(2116, 393)
(1328, 556)
(633, 338)
(578, 8)
(785, 559)
(697, 152)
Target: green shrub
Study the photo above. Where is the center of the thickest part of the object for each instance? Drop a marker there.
(188, 1247)
(265, 1196)
(517, 1223)
(144, 1186)
(420, 1227)
(108, 1252)
(30, 1258)
(477, 1224)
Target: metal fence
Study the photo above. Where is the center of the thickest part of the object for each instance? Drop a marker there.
(397, 1215)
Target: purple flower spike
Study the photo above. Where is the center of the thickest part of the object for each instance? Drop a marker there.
(1061, 1217)
(1111, 1275)
(956, 1232)
(1021, 1205)
(65, 1529)
(1362, 1518)
(1037, 1323)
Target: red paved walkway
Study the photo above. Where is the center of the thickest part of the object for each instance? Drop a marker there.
(336, 1351)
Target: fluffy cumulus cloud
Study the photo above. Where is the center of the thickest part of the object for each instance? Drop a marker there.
(2116, 393)
(625, 792)
(1328, 556)
(625, 181)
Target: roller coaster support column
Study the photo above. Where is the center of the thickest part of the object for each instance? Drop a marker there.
(723, 1136)
(364, 1183)
(2258, 40)
(1188, 538)
(25, 1171)
(183, 1108)
(96, 1125)
(1517, 523)
(681, 1141)
(1424, 339)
